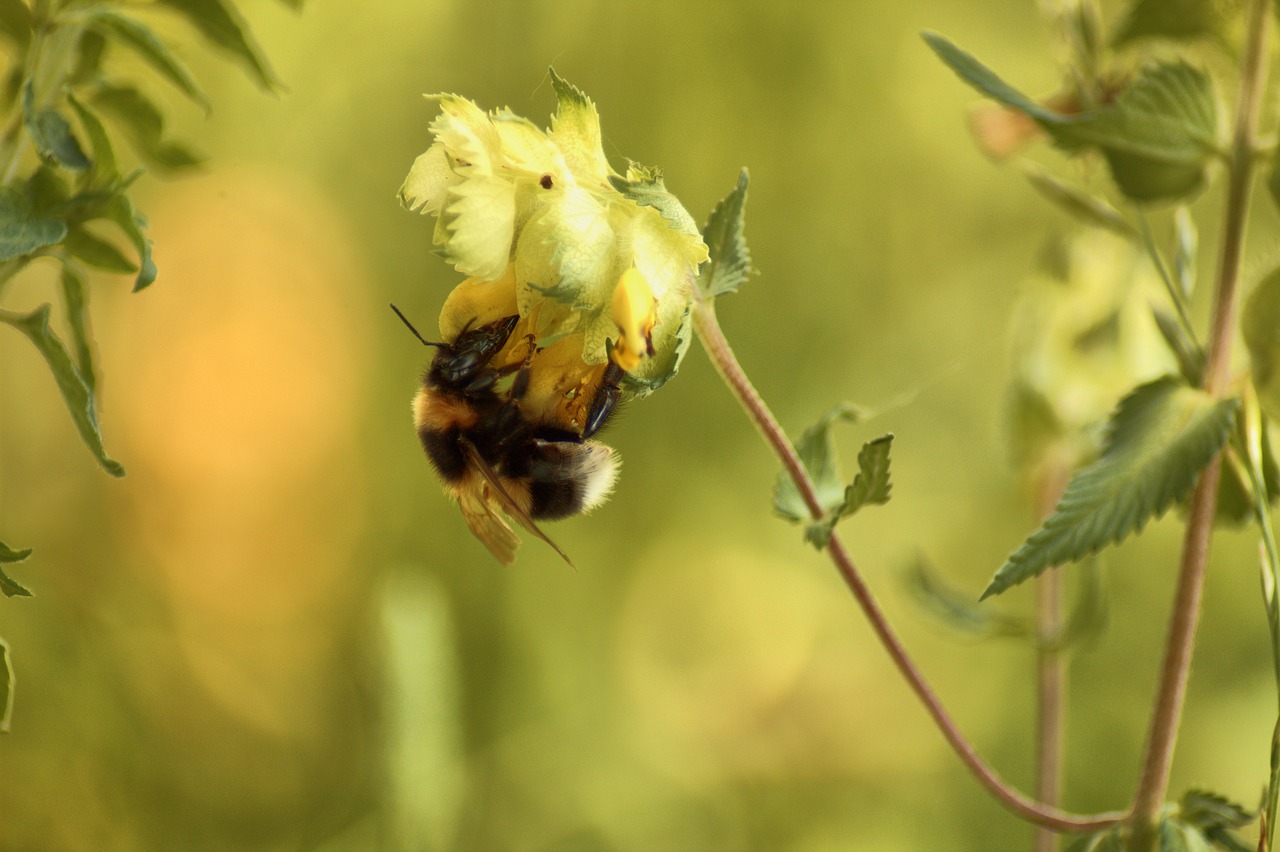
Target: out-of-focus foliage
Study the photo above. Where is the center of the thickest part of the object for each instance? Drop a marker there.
(223, 653)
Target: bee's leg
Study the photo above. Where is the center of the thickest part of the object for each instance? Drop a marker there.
(605, 400)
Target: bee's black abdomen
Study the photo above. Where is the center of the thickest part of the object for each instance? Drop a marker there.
(444, 452)
(555, 499)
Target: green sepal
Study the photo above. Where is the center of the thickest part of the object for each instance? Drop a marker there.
(75, 390)
(222, 26)
(730, 259)
(817, 453)
(870, 487)
(143, 123)
(22, 231)
(142, 40)
(52, 134)
(15, 23)
(646, 188)
(6, 687)
(1161, 437)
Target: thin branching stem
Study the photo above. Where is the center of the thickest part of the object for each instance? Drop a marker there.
(1154, 781)
(713, 340)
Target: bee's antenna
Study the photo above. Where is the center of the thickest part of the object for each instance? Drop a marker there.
(421, 339)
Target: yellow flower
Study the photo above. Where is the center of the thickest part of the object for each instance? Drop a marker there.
(544, 227)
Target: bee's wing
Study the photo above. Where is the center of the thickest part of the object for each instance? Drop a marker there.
(503, 498)
(488, 526)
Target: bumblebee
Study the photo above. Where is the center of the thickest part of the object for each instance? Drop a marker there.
(508, 427)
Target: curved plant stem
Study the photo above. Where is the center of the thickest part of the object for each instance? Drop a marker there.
(713, 340)
(1154, 781)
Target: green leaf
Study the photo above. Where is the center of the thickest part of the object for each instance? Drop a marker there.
(15, 23)
(730, 260)
(870, 487)
(1161, 437)
(1159, 135)
(6, 687)
(818, 455)
(120, 211)
(1260, 324)
(88, 63)
(74, 298)
(1108, 840)
(222, 26)
(52, 134)
(1184, 349)
(8, 585)
(22, 232)
(144, 124)
(1079, 204)
(142, 40)
(75, 391)
(1179, 20)
(982, 78)
(95, 251)
(104, 170)
(1206, 810)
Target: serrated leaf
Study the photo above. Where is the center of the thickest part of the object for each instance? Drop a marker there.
(52, 134)
(75, 391)
(1161, 437)
(870, 487)
(1179, 20)
(143, 123)
(142, 40)
(646, 188)
(95, 251)
(958, 611)
(74, 299)
(222, 26)
(21, 231)
(1260, 324)
(818, 455)
(6, 687)
(730, 260)
(1079, 204)
(15, 23)
(575, 130)
(1206, 810)
(120, 211)
(104, 170)
(1175, 836)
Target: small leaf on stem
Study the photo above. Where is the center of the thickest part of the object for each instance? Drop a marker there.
(730, 260)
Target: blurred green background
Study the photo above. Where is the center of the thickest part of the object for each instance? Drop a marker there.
(277, 633)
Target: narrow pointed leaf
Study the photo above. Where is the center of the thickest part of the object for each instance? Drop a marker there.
(818, 455)
(74, 298)
(730, 261)
(143, 122)
(75, 391)
(22, 232)
(104, 170)
(8, 585)
(222, 26)
(6, 687)
(95, 251)
(140, 38)
(986, 81)
(1161, 437)
(1081, 205)
(120, 211)
(52, 134)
